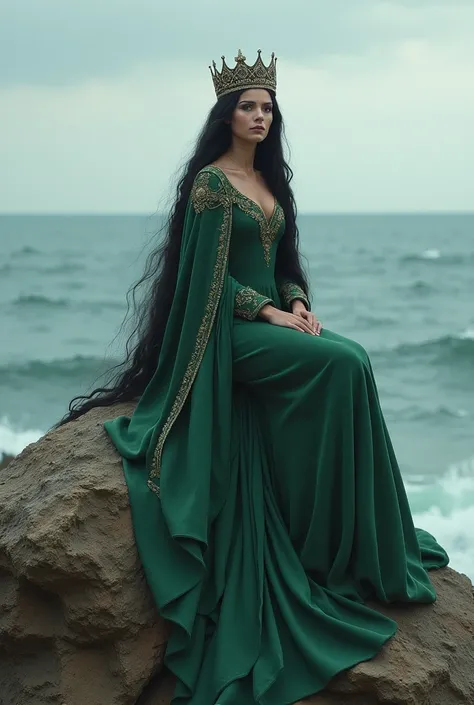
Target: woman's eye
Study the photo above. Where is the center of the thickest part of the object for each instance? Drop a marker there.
(268, 108)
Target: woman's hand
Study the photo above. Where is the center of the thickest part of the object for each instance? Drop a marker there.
(273, 315)
(299, 309)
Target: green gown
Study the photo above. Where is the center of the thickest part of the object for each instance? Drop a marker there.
(266, 498)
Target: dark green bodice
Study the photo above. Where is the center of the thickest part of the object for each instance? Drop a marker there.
(253, 246)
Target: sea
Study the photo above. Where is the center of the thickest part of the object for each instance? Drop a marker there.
(402, 285)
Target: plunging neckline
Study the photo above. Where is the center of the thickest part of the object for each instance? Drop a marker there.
(243, 195)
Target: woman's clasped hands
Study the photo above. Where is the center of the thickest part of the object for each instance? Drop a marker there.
(299, 319)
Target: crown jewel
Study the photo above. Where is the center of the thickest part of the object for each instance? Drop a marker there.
(244, 76)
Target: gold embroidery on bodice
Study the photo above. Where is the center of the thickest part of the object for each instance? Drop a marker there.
(269, 227)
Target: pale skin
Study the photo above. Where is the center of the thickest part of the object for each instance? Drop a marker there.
(255, 108)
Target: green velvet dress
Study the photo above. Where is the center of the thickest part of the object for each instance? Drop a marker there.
(266, 497)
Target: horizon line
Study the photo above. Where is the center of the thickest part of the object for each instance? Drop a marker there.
(302, 213)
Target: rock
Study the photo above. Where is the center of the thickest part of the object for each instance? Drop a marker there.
(77, 622)
(430, 661)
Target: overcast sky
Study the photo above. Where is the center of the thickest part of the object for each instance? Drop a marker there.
(100, 102)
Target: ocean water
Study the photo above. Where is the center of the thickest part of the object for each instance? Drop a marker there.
(402, 285)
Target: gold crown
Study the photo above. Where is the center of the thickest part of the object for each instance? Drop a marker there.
(244, 76)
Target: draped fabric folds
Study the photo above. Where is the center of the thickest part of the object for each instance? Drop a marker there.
(252, 619)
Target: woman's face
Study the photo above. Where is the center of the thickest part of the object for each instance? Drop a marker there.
(254, 109)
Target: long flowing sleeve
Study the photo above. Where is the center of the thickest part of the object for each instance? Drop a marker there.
(289, 291)
(203, 301)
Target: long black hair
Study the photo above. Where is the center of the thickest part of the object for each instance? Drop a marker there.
(128, 380)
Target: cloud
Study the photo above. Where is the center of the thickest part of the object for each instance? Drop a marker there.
(57, 43)
(382, 123)
(389, 133)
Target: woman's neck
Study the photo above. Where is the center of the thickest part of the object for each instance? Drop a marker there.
(240, 159)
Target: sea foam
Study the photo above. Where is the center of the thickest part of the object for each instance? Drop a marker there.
(13, 441)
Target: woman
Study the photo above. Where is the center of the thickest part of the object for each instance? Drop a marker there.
(266, 498)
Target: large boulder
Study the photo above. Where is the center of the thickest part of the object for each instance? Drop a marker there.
(77, 622)
(430, 661)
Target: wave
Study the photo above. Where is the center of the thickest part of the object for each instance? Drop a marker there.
(467, 334)
(372, 321)
(420, 287)
(454, 533)
(434, 256)
(13, 440)
(37, 300)
(417, 413)
(445, 349)
(98, 306)
(66, 268)
(79, 367)
(445, 508)
(26, 250)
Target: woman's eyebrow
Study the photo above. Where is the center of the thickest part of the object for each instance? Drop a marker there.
(268, 102)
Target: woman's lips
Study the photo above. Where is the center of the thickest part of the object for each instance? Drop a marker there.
(262, 129)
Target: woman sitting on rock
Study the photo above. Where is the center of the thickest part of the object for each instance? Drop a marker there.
(267, 502)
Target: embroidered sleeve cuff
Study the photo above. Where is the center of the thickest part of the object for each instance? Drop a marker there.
(289, 292)
(248, 303)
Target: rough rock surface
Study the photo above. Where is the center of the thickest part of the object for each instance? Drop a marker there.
(77, 623)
